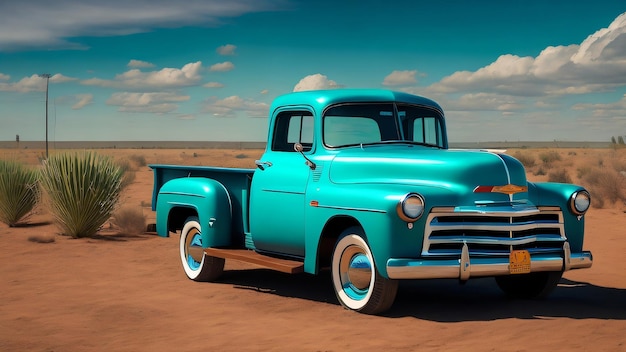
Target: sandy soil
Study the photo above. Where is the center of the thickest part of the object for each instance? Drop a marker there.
(115, 292)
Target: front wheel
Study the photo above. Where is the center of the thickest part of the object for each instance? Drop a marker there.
(357, 283)
(529, 286)
(197, 265)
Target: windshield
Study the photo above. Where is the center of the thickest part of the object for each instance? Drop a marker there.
(381, 123)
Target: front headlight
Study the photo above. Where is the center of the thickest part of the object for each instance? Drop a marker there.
(579, 202)
(411, 207)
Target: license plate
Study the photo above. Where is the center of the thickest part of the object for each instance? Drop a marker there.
(519, 262)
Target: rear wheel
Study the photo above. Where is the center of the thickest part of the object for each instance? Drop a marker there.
(197, 265)
(529, 286)
(357, 283)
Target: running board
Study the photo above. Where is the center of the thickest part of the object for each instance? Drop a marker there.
(248, 256)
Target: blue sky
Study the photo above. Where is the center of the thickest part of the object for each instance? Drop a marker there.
(208, 70)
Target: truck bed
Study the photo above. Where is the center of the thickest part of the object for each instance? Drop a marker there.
(237, 182)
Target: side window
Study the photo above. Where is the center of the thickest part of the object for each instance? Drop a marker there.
(426, 130)
(293, 127)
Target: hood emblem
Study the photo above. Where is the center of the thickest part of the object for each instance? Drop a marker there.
(506, 189)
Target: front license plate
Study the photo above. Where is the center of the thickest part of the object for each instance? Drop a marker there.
(519, 262)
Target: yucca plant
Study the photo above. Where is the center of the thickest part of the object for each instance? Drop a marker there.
(82, 189)
(19, 191)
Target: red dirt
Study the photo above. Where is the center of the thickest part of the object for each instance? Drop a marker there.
(129, 293)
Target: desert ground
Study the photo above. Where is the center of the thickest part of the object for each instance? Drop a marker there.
(120, 292)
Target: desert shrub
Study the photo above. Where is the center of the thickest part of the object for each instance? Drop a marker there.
(605, 185)
(559, 176)
(241, 156)
(82, 190)
(128, 172)
(129, 220)
(139, 160)
(19, 191)
(526, 159)
(540, 172)
(583, 172)
(550, 157)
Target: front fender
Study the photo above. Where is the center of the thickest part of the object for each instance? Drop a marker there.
(559, 194)
(210, 201)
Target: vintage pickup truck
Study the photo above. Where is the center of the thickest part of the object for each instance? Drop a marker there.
(362, 183)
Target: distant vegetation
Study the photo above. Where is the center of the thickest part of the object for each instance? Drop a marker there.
(19, 191)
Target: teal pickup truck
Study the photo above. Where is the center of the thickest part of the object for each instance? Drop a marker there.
(362, 183)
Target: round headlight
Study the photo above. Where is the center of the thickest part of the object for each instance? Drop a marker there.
(411, 207)
(579, 202)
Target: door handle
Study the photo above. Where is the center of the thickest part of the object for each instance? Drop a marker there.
(262, 164)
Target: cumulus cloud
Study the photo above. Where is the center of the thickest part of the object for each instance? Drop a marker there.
(82, 101)
(156, 102)
(400, 78)
(615, 109)
(222, 67)
(226, 50)
(54, 24)
(188, 75)
(230, 106)
(597, 64)
(140, 64)
(213, 85)
(315, 82)
(34, 83)
(4, 77)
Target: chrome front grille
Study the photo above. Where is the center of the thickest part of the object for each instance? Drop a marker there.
(493, 232)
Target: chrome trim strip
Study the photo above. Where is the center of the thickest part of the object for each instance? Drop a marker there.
(465, 268)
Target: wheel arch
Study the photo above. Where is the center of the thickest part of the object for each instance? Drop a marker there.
(205, 198)
(329, 236)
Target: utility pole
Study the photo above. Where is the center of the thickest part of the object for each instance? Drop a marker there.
(47, 77)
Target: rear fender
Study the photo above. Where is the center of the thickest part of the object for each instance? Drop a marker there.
(205, 197)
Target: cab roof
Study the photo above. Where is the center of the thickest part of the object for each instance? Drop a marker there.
(320, 99)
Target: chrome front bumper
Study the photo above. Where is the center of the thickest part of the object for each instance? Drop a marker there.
(465, 267)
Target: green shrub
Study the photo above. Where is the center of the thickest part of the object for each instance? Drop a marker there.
(83, 189)
(19, 191)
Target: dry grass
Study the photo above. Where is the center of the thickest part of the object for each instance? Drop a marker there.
(129, 220)
(560, 176)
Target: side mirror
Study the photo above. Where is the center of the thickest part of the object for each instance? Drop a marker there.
(300, 149)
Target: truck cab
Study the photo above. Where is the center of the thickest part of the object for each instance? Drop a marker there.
(362, 183)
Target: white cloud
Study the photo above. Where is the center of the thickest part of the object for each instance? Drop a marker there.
(213, 85)
(265, 91)
(82, 101)
(33, 83)
(139, 64)
(53, 24)
(613, 110)
(4, 77)
(400, 78)
(315, 82)
(226, 50)
(59, 78)
(222, 67)
(597, 64)
(158, 102)
(188, 75)
(230, 106)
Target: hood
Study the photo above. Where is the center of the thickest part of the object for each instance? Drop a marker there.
(457, 170)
